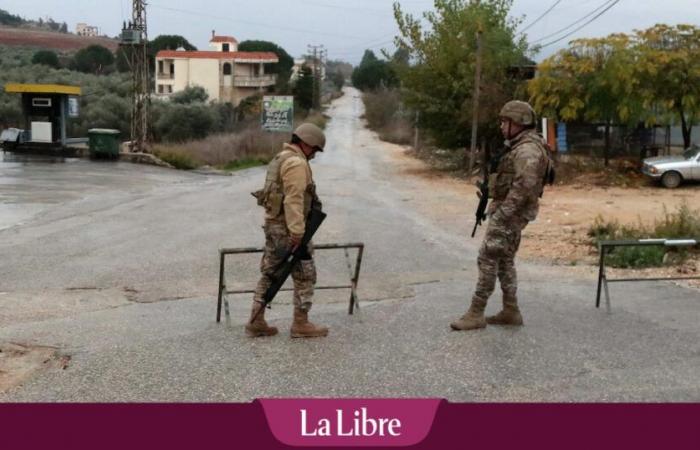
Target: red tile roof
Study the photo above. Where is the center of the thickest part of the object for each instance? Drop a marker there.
(224, 39)
(261, 56)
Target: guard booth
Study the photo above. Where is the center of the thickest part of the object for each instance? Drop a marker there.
(46, 109)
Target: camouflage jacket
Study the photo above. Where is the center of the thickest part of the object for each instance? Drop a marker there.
(518, 182)
(289, 190)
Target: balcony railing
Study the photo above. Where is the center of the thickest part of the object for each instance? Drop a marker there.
(259, 81)
(166, 76)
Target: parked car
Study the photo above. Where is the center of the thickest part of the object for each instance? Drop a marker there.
(673, 170)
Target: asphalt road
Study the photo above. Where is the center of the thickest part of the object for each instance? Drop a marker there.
(117, 265)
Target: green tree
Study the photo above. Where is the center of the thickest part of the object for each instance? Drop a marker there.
(162, 42)
(93, 59)
(669, 73)
(180, 123)
(373, 73)
(47, 58)
(191, 94)
(439, 82)
(283, 68)
(304, 88)
(594, 80)
(338, 79)
(10, 19)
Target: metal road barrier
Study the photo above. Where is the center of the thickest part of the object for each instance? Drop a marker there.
(354, 275)
(605, 247)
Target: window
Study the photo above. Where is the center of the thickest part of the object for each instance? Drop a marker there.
(160, 88)
(172, 69)
(41, 102)
(160, 66)
(226, 47)
(227, 68)
(170, 89)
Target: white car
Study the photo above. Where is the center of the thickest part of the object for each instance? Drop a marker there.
(673, 170)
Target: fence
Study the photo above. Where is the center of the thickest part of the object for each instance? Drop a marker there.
(608, 246)
(354, 276)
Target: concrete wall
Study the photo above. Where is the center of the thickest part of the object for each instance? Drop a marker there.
(205, 73)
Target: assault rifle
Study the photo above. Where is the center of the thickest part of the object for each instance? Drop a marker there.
(490, 166)
(483, 195)
(291, 258)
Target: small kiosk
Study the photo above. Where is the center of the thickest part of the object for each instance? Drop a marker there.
(46, 109)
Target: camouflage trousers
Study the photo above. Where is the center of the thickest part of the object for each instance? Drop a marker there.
(303, 274)
(497, 261)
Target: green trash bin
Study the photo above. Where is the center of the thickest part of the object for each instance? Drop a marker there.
(104, 143)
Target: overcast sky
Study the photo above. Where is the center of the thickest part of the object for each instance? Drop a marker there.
(345, 28)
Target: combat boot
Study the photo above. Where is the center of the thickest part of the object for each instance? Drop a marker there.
(509, 315)
(302, 328)
(473, 319)
(258, 327)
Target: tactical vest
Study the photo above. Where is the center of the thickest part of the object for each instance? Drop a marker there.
(271, 196)
(501, 181)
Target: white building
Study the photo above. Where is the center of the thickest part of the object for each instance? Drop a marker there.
(83, 29)
(309, 62)
(225, 73)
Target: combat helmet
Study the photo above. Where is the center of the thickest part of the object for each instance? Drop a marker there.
(519, 112)
(311, 135)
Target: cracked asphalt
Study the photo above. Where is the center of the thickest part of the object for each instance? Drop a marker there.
(117, 264)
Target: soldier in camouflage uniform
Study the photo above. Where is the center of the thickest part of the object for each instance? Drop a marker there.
(515, 187)
(288, 196)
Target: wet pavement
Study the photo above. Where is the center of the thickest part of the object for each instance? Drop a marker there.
(117, 264)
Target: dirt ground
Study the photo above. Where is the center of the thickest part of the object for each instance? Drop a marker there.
(19, 362)
(559, 235)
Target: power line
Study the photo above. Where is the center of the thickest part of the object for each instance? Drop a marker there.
(607, 3)
(257, 24)
(615, 2)
(540, 17)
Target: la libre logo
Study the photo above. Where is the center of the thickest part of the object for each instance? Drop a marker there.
(356, 424)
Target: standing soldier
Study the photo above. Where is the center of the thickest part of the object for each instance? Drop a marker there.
(288, 196)
(516, 187)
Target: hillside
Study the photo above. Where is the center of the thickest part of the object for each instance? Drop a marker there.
(23, 37)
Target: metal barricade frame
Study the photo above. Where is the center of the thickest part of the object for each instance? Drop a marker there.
(607, 246)
(354, 275)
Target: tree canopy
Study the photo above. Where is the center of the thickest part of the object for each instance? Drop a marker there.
(191, 94)
(47, 58)
(93, 59)
(283, 68)
(650, 76)
(304, 88)
(373, 73)
(439, 81)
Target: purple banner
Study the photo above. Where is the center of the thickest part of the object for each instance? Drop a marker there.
(237, 426)
(350, 423)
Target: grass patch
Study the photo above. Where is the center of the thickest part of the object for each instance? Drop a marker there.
(683, 223)
(245, 163)
(179, 160)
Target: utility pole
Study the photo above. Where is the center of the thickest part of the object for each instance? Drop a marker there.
(477, 87)
(135, 37)
(317, 53)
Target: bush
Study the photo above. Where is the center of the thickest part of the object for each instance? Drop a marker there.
(386, 115)
(47, 58)
(249, 145)
(180, 123)
(93, 59)
(191, 94)
(684, 223)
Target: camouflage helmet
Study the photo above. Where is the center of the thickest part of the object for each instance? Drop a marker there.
(519, 112)
(311, 135)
